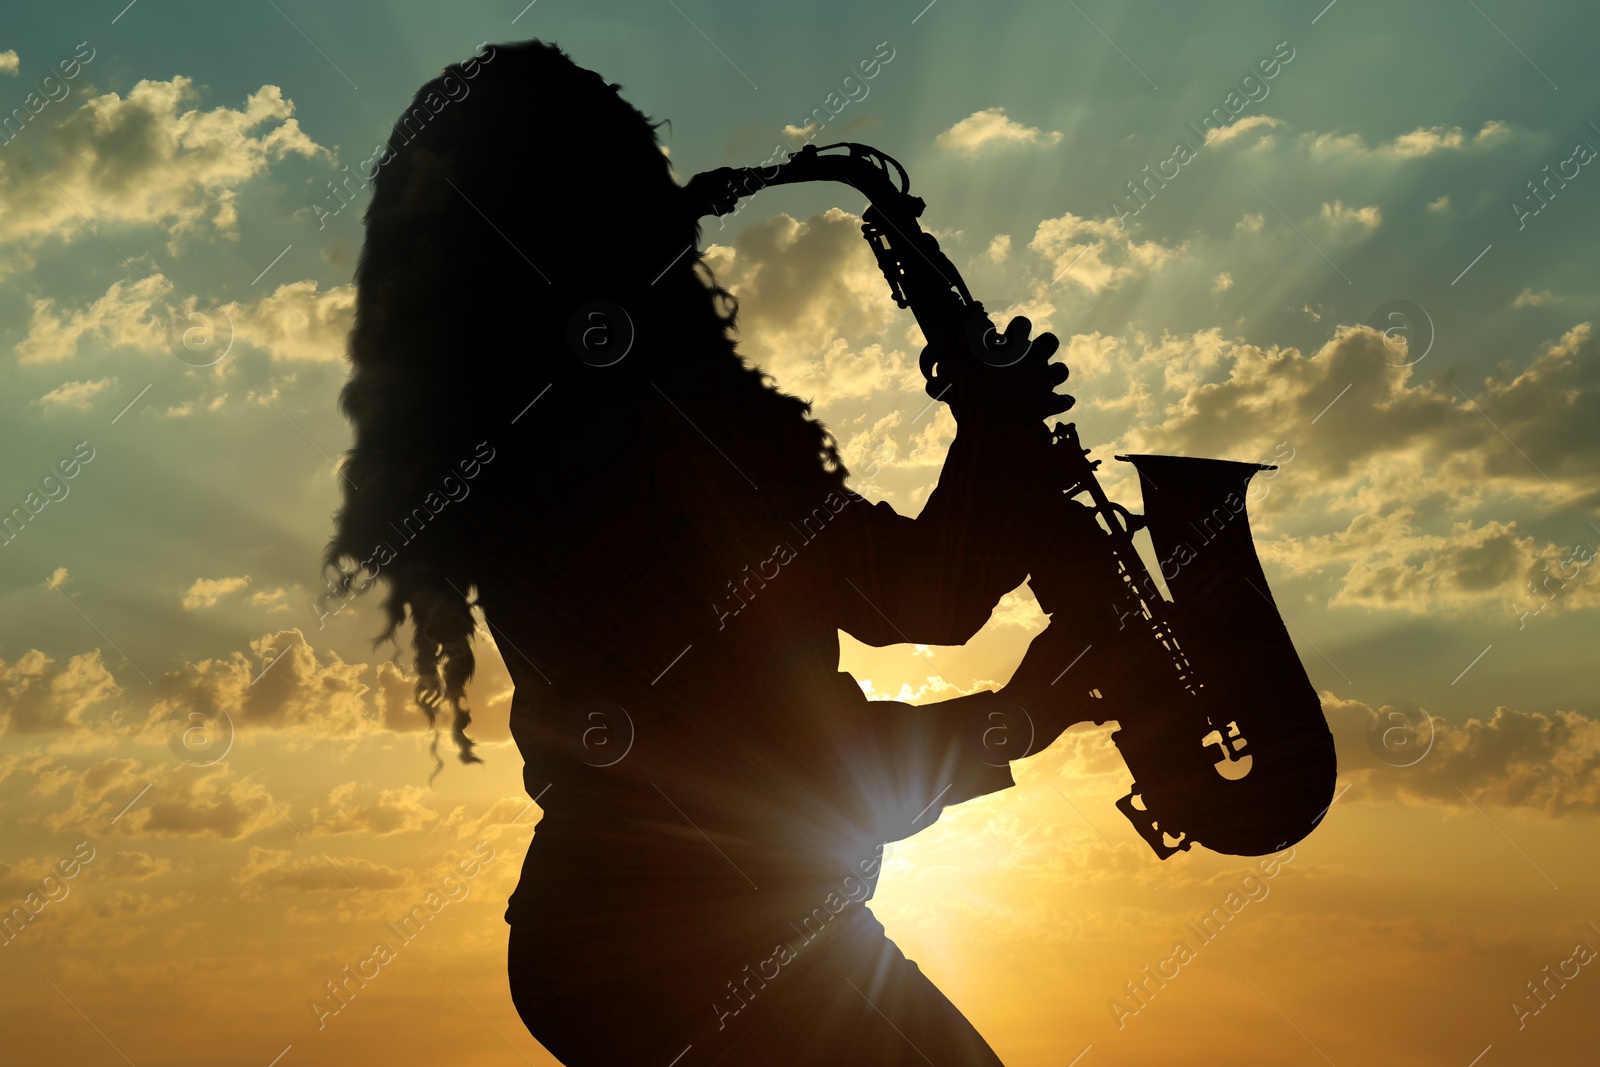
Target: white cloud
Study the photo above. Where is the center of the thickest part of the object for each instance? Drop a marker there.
(802, 133)
(1530, 299)
(988, 130)
(297, 321)
(1252, 222)
(1420, 142)
(1097, 255)
(1223, 283)
(127, 315)
(146, 159)
(10, 62)
(74, 395)
(999, 248)
(1342, 218)
(1439, 206)
(58, 578)
(205, 592)
(1235, 130)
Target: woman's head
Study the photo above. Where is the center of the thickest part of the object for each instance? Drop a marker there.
(518, 193)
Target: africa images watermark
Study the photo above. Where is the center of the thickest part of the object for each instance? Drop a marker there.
(431, 105)
(813, 925)
(53, 488)
(1541, 195)
(451, 488)
(784, 553)
(815, 121)
(1251, 889)
(354, 978)
(54, 89)
(1581, 556)
(1542, 992)
(53, 889)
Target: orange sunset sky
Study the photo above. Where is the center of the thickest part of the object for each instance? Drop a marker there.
(239, 786)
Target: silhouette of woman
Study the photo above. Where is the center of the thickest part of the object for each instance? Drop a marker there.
(666, 548)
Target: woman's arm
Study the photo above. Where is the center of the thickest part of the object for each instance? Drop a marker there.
(934, 755)
(935, 579)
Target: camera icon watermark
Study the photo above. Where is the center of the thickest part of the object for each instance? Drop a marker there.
(601, 732)
(1400, 733)
(1005, 732)
(600, 333)
(1407, 331)
(202, 338)
(202, 738)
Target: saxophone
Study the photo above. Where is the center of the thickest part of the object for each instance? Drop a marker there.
(1218, 723)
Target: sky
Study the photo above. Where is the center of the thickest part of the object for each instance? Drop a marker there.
(1367, 274)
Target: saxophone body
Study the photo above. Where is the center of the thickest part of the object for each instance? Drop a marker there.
(1218, 723)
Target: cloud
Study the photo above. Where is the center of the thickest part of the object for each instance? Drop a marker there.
(1550, 407)
(127, 315)
(392, 811)
(1393, 562)
(814, 310)
(282, 684)
(933, 688)
(1401, 462)
(58, 578)
(999, 248)
(285, 685)
(132, 866)
(802, 133)
(147, 159)
(1098, 255)
(1420, 142)
(1342, 219)
(269, 872)
(1252, 222)
(1513, 759)
(42, 695)
(1223, 283)
(1440, 206)
(75, 396)
(205, 592)
(126, 797)
(507, 813)
(990, 130)
(1530, 299)
(1019, 609)
(1237, 129)
(271, 599)
(297, 321)
(10, 62)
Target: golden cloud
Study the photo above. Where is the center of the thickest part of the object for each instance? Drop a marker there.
(1533, 761)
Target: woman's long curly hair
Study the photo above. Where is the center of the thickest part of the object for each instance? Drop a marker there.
(516, 187)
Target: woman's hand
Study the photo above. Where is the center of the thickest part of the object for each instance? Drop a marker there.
(1001, 379)
(1053, 683)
